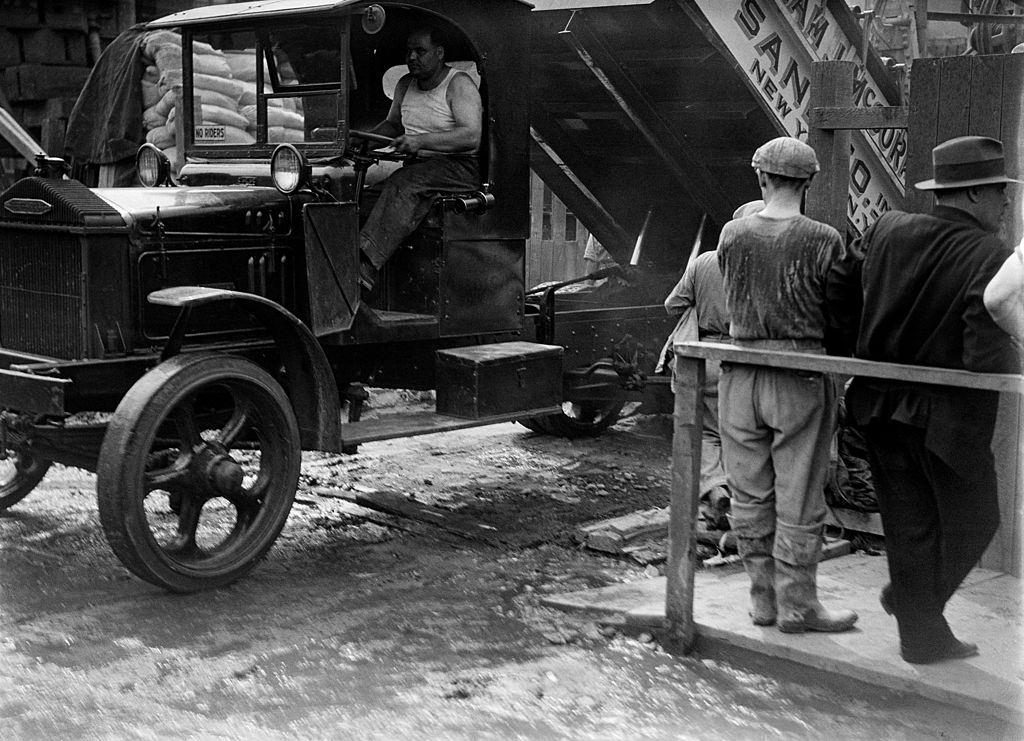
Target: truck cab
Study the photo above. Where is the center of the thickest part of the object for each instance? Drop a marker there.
(188, 339)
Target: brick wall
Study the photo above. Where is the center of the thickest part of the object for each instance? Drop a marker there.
(46, 50)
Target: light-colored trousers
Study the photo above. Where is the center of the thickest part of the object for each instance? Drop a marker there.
(776, 427)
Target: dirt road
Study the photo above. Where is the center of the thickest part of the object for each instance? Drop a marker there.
(356, 629)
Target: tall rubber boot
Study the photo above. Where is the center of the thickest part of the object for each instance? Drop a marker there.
(760, 567)
(754, 525)
(797, 552)
(799, 608)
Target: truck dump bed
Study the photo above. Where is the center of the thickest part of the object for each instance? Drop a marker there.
(648, 111)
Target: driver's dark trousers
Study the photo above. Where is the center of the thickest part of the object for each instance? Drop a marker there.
(406, 196)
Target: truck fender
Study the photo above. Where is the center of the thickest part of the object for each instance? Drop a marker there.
(309, 382)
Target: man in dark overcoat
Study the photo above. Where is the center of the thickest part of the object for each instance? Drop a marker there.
(911, 291)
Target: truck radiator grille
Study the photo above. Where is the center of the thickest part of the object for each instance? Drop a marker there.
(41, 301)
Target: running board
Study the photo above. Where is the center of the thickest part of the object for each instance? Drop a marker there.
(397, 425)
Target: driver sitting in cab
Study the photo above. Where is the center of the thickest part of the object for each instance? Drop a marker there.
(435, 118)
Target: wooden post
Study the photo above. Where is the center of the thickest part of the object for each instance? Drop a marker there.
(831, 86)
(682, 536)
(921, 27)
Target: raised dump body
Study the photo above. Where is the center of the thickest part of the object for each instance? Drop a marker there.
(648, 111)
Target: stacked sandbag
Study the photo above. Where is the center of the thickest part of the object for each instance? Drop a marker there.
(285, 122)
(216, 93)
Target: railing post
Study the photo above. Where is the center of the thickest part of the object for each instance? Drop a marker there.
(682, 536)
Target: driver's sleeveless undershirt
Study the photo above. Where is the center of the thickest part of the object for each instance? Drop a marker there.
(427, 111)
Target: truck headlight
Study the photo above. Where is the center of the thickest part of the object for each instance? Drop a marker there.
(288, 169)
(152, 165)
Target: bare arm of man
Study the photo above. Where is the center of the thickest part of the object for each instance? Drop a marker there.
(467, 110)
(1004, 295)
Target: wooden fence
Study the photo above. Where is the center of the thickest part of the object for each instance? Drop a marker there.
(551, 254)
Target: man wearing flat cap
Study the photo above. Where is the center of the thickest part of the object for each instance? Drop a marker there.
(911, 291)
(776, 424)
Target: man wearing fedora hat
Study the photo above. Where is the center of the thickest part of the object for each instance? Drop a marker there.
(911, 291)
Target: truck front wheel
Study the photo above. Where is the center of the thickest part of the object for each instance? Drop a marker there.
(20, 473)
(197, 471)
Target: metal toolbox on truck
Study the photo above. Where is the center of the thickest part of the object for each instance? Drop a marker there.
(501, 378)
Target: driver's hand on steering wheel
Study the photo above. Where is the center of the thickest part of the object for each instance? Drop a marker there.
(408, 144)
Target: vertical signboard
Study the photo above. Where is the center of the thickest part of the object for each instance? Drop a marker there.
(774, 43)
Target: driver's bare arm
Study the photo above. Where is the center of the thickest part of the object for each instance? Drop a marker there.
(467, 110)
(392, 125)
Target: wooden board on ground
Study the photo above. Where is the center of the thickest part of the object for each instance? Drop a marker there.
(401, 506)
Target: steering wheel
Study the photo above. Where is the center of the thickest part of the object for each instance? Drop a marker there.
(364, 152)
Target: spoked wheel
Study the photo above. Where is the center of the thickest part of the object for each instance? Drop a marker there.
(20, 473)
(197, 472)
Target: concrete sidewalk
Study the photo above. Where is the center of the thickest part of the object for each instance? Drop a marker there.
(986, 610)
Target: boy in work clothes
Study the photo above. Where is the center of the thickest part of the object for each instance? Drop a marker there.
(776, 424)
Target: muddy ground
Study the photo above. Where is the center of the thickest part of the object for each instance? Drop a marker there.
(362, 625)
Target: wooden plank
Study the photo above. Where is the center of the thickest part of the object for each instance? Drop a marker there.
(936, 15)
(921, 26)
(875, 117)
(1017, 541)
(851, 366)
(1006, 452)
(397, 504)
(559, 261)
(392, 426)
(548, 154)
(922, 131)
(533, 252)
(682, 541)
(995, 111)
(1012, 133)
(831, 86)
(954, 98)
(986, 102)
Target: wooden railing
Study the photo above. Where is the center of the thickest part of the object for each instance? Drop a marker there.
(686, 448)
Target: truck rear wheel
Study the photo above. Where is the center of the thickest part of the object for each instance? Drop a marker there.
(20, 473)
(197, 471)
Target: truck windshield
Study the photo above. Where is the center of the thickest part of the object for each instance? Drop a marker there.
(301, 99)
